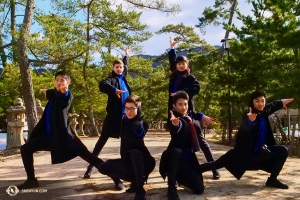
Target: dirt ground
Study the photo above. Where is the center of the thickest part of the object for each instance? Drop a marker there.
(65, 181)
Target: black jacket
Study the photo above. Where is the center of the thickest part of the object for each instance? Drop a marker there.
(112, 121)
(130, 141)
(238, 159)
(188, 83)
(180, 139)
(64, 143)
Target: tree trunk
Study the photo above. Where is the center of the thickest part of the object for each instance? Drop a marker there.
(13, 29)
(24, 65)
(2, 52)
(227, 31)
(280, 128)
(90, 114)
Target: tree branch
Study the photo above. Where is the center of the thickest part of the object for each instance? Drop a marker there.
(6, 45)
(33, 53)
(5, 18)
(55, 61)
(160, 6)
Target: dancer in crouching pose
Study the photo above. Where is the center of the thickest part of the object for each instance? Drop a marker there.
(136, 162)
(255, 147)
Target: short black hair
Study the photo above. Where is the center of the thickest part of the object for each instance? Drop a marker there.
(179, 95)
(254, 95)
(63, 73)
(257, 93)
(182, 59)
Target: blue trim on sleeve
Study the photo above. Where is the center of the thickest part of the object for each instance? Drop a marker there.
(66, 95)
(249, 123)
(141, 134)
(200, 115)
(176, 126)
(114, 90)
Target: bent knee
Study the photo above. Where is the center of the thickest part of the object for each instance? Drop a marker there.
(284, 150)
(198, 190)
(103, 168)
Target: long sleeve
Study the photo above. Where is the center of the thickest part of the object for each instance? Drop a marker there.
(272, 107)
(196, 115)
(172, 59)
(106, 87)
(126, 65)
(63, 99)
(177, 130)
(49, 93)
(193, 87)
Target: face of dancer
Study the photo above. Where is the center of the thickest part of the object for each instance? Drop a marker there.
(61, 83)
(181, 106)
(181, 66)
(118, 69)
(259, 103)
(131, 110)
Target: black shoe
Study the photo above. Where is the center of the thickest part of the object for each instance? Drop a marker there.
(276, 184)
(29, 183)
(89, 171)
(216, 174)
(118, 184)
(172, 193)
(140, 194)
(131, 189)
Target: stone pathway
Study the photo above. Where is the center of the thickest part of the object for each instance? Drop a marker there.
(64, 181)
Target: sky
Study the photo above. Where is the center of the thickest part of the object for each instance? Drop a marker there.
(191, 11)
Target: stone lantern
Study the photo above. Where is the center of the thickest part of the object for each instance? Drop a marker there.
(81, 122)
(16, 123)
(73, 121)
(39, 109)
(87, 126)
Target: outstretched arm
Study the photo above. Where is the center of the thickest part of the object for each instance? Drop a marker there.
(272, 107)
(172, 54)
(126, 61)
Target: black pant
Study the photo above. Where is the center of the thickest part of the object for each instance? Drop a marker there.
(100, 144)
(183, 172)
(206, 149)
(204, 146)
(116, 168)
(43, 143)
(272, 163)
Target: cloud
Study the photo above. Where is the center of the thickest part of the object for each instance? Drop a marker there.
(191, 11)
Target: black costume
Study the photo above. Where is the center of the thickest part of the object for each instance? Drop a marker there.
(183, 80)
(136, 162)
(112, 121)
(179, 161)
(243, 157)
(53, 133)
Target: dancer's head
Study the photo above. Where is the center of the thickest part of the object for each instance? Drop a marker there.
(182, 63)
(62, 80)
(257, 101)
(132, 106)
(118, 67)
(180, 102)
